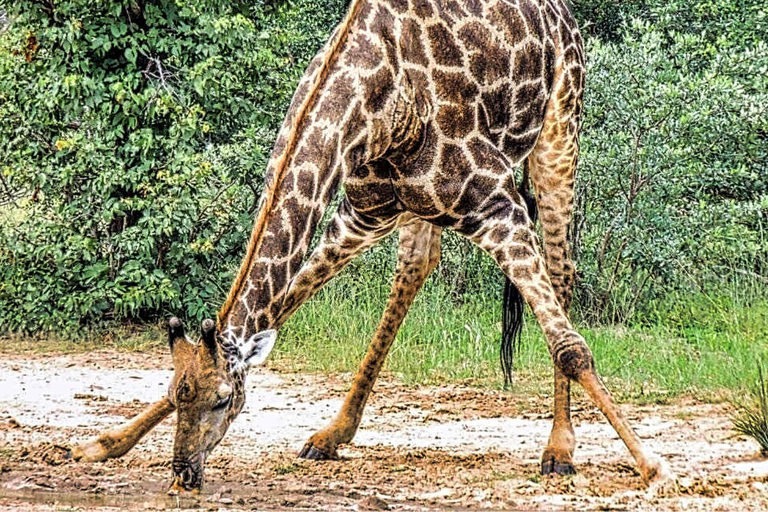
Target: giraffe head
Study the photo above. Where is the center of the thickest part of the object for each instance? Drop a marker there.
(208, 392)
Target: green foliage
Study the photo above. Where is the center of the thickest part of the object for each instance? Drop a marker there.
(606, 18)
(137, 134)
(140, 131)
(673, 190)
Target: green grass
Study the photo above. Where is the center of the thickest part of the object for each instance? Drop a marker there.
(698, 346)
(701, 345)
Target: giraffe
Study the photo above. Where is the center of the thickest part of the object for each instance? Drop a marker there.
(422, 109)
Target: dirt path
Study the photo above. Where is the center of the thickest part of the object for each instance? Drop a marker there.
(428, 448)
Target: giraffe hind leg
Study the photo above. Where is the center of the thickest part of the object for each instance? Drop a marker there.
(501, 226)
(552, 165)
(418, 255)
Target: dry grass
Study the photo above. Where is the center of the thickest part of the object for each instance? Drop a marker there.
(129, 338)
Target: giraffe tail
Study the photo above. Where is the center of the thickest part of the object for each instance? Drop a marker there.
(513, 303)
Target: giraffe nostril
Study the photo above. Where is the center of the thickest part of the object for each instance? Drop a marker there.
(188, 473)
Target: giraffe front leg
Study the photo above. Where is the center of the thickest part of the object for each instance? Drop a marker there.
(418, 254)
(507, 235)
(574, 359)
(118, 441)
(347, 235)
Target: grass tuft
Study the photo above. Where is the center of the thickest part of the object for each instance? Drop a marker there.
(752, 418)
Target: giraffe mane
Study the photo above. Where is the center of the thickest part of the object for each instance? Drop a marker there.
(281, 165)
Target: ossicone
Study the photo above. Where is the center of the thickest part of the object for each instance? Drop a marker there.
(175, 330)
(208, 332)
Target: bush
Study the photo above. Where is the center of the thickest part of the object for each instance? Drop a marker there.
(137, 133)
(140, 132)
(673, 188)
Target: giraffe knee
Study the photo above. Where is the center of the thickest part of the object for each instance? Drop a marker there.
(573, 357)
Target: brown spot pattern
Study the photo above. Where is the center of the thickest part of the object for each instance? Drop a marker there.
(456, 122)
(363, 53)
(411, 46)
(378, 88)
(454, 87)
(444, 48)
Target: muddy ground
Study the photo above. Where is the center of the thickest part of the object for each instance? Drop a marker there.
(418, 448)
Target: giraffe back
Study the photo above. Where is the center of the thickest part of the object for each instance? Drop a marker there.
(458, 80)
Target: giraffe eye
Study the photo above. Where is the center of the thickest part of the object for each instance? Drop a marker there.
(184, 392)
(221, 404)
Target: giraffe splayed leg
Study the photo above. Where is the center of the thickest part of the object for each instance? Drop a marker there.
(418, 255)
(117, 441)
(348, 234)
(569, 351)
(502, 228)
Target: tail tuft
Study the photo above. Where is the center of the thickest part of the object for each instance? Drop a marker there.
(511, 326)
(513, 303)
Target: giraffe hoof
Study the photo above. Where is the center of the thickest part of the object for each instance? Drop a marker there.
(310, 452)
(91, 451)
(660, 479)
(551, 466)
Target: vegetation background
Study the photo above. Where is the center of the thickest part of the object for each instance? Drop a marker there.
(134, 135)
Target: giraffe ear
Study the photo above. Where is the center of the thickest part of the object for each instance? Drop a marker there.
(258, 347)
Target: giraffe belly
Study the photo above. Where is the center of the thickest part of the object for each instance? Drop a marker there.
(452, 196)
(448, 179)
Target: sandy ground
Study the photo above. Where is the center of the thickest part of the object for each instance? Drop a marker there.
(418, 448)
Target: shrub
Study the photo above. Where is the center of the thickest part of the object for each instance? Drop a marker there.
(139, 131)
(673, 184)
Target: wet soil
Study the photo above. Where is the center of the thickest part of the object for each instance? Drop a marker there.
(448, 447)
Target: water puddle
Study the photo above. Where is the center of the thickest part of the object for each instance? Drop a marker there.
(124, 501)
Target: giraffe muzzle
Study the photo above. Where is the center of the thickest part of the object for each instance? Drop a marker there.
(187, 474)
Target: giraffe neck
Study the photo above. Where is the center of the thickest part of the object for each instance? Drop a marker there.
(308, 185)
(307, 164)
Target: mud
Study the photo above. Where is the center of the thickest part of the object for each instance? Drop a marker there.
(418, 448)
